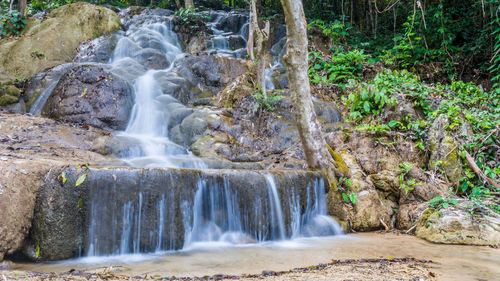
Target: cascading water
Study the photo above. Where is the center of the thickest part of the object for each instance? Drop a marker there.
(229, 34)
(148, 124)
(161, 209)
(175, 209)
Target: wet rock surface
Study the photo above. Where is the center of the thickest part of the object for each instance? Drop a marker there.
(89, 95)
(65, 210)
(29, 147)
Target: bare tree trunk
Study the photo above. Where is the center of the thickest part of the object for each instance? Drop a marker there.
(261, 39)
(189, 4)
(10, 5)
(296, 61)
(261, 56)
(21, 7)
(178, 4)
(250, 31)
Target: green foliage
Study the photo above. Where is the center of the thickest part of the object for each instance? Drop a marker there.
(336, 30)
(371, 98)
(11, 23)
(336, 68)
(406, 184)
(441, 203)
(352, 197)
(267, 101)
(348, 196)
(190, 18)
(44, 5)
(495, 60)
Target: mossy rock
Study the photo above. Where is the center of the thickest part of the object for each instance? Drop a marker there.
(9, 95)
(8, 99)
(12, 91)
(456, 225)
(56, 38)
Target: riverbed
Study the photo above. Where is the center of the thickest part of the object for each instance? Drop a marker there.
(449, 262)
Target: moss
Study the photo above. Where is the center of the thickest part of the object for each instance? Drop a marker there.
(57, 38)
(12, 91)
(339, 163)
(7, 99)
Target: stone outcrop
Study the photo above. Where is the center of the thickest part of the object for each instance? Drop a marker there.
(29, 147)
(460, 224)
(90, 95)
(47, 42)
(444, 151)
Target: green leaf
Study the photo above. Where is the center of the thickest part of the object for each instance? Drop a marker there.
(465, 185)
(80, 203)
(81, 179)
(37, 253)
(348, 182)
(353, 197)
(63, 176)
(366, 106)
(393, 123)
(346, 198)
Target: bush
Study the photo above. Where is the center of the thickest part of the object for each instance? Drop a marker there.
(11, 23)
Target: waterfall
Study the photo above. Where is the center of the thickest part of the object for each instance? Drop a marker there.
(181, 209)
(155, 210)
(36, 107)
(276, 213)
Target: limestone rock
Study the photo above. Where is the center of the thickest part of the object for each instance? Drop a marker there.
(55, 39)
(444, 152)
(19, 184)
(456, 225)
(90, 95)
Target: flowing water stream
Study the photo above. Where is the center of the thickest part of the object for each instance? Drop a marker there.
(451, 262)
(144, 218)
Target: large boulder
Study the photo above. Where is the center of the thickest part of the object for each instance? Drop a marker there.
(9, 94)
(90, 95)
(460, 224)
(208, 73)
(54, 40)
(29, 147)
(19, 183)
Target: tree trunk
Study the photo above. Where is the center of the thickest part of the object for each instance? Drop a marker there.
(261, 56)
(261, 39)
(296, 61)
(21, 7)
(178, 4)
(189, 4)
(250, 32)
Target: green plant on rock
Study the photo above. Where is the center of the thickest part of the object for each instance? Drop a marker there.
(406, 184)
(191, 18)
(267, 101)
(336, 68)
(348, 196)
(370, 98)
(439, 202)
(336, 30)
(11, 23)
